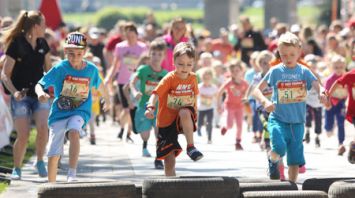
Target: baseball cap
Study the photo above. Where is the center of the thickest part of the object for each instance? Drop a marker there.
(75, 40)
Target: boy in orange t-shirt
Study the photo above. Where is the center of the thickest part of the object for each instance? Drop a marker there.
(176, 93)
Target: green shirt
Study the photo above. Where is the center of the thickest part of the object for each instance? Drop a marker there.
(149, 80)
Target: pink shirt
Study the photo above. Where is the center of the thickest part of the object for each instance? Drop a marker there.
(128, 57)
(235, 93)
(168, 61)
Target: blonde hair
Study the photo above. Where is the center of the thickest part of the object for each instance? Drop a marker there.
(236, 63)
(207, 71)
(175, 22)
(337, 58)
(23, 25)
(265, 54)
(289, 39)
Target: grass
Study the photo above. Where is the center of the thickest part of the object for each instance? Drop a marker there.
(307, 15)
(7, 161)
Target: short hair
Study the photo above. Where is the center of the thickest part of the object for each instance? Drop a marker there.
(236, 63)
(289, 39)
(130, 26)
(263, 55)
(184, 48)
(337, 58)
(158, 44)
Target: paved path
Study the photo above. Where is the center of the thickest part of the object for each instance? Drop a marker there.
(112, 160)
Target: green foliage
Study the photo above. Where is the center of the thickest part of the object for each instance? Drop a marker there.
(2, 187)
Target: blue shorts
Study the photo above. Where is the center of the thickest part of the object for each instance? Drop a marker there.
(27, 106)
(287, 137)
(141, 122)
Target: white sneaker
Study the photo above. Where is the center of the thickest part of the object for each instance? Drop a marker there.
(71, 178)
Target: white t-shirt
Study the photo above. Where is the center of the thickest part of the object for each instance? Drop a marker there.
(207, 97)
(312, 99)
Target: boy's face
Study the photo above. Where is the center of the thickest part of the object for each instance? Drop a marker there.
(264, 64)
(156, 57)
(131, 35)
(74, 55)
(183, 65)
(289, 54)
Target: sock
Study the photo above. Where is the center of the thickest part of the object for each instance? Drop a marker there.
(190, 145)
(145, 144)
(72, 172)
(121, 133)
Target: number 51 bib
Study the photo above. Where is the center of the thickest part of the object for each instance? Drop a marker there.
(291, 92)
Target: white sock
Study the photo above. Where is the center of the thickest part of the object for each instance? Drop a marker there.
(72, 172)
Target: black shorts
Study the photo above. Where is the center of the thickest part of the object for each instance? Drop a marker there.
(168, 137)
(132, 113)
(122, 96)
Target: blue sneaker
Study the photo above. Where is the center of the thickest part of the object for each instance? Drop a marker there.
(274, 172)
(41, 168)
(146, 153)
(16, 174)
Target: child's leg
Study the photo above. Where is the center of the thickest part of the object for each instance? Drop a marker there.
(238, 115)
(74, 148)
(209, 124)
(200, 119)
(318, 120)
(53, 168)
(187, 125)
(293, 173)
(169, 167)
(340, 116)
(329, 121)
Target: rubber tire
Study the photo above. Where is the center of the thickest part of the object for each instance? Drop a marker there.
(285, 194)
(241, 180)
(321, 184)
(342, 189)
(139, 193)
(175, 187)
(273, 186)
(87, 190)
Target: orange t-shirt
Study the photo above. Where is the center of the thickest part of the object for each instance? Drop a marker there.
(175, 93)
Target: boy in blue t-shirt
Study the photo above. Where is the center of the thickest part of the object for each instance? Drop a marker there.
(290, 82)
(72, 80)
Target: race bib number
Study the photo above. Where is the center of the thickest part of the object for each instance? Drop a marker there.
(176, 102)
(131, 62)
(207, 101)
(149, 87)
(75, 91)
(291, 92)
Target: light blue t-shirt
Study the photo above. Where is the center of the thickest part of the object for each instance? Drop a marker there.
(289, 92)
(249, 76)
(72, 90)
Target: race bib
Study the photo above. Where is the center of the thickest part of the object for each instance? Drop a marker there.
(149, 87)
(267, 93)
(247, 42)
(206, 101)
(291, 92)
(131, 62)
(75, 91)
(176, 102)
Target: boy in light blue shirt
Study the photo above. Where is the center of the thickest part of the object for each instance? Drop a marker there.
(72, 80)
(290, 82)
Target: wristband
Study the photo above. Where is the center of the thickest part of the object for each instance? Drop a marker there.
(150, 107)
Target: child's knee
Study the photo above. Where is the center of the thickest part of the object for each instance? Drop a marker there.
(279, 148)
(73, 134)
(184, 113)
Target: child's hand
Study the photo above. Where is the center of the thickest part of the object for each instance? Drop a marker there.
(107, 105)
(269, 106)
(245, 100)
(44, 97)
(220, 109)
(149, 113)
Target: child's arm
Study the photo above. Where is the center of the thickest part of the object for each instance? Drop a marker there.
(248, 92)
(136, 93)
(106, 97)
(259, 96)
(126, 92)
(42, 95)
(113, 70)
(149, 113)
(219, 98)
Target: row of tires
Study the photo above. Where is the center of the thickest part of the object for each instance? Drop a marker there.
(203, 187)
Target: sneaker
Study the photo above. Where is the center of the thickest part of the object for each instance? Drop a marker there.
(71, 178)
(341, 150)
(194, 154)
(282, 172)
(238, 146)
(146, 153)
(16, 174)
(317, 141)
(302, 169)
(41, 168)
(223, 130)
(274, 172)
(158, 164)
(307, 137)
(209, 142)
(129, 139)
(351, 155)
(120, 134)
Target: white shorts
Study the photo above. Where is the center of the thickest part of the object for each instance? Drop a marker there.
(57, 132)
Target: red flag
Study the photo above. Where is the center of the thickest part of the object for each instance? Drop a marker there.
(51, 12)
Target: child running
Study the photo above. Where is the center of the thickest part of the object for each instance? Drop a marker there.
(72, 80)
(149, 77)
(290, 82)
(176, 93)
(235, 88)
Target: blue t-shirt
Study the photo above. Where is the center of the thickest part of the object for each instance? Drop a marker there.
(249, 76)
(72, 90)
(289, 92)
